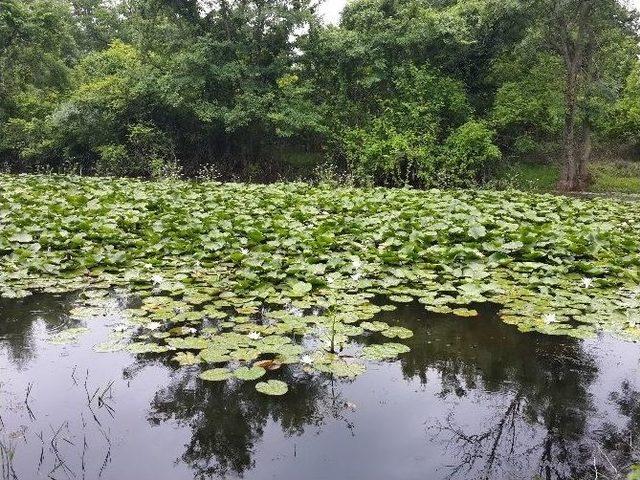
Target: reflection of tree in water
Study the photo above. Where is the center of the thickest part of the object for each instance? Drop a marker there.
(620, 444)
(18, 319)
(228, 418)
(541, 384)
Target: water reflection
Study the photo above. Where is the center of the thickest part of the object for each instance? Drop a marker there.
(20, 320)
(473, 399)
(228, 419)
(541, 384)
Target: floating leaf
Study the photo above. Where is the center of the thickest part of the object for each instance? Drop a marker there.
(268, 364)
(401, 298)
(70, 335)
(375, 326)
(186, 358)
(188, 343)
(21, 238)
(212, 355)
(299, 289)
(464, 312)
(397, 332)
(216, 375)
(384, 351)
(246, 373)
(272, 387)
(340, 368)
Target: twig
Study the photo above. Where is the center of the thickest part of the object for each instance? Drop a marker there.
(90, 398)
(32, 417)
(73, 375)
(40, 436)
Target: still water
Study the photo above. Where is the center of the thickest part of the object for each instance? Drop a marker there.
(473, 399)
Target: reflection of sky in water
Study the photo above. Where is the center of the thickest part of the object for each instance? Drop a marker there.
(474, 397)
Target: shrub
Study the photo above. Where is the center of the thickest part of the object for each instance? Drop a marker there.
(148, 152)
(383, 154)
(401, 138)
(468, 156)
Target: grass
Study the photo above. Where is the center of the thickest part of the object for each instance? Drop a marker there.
(609, 176)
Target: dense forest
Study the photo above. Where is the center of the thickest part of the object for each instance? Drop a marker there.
(401, 92)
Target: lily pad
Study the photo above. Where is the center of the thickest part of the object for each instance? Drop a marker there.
(216, 375)
(385, 351)
(272, 387)
(70, 335)
(249, 373)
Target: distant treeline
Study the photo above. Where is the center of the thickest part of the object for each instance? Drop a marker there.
(419, 92)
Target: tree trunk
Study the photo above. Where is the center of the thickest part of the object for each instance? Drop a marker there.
(584, 177)
(569, 173)
(576, 47)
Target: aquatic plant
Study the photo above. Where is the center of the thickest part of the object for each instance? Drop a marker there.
(235, 274)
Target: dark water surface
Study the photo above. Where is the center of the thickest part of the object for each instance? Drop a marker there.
(473, 399)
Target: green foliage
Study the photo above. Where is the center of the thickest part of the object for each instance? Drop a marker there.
(529, 104)
(468, 156)
(37, 46)
(148, 153)
(608, 177)
(626, 123)
(634, 473)
(420, 137)
(402, 92)
(288, 273)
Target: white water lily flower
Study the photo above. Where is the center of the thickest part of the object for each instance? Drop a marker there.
(157, 279)
(191, 330)
(356, 276)
(549, 318)
(306, 359)
(153, 325)
(254, 336)
(356, 263)
(587, 282)
(244, 251)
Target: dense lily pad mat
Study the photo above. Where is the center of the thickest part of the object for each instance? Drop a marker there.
(230, 275)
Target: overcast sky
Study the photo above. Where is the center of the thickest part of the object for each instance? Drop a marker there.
(331, 9)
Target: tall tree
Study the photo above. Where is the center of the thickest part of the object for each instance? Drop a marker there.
(580, 31)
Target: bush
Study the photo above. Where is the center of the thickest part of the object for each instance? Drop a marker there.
(468, 156)
(148, 152)
(402, 140)
(382, 154)
(626, 120)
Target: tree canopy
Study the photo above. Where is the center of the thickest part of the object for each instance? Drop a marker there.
(401, 92)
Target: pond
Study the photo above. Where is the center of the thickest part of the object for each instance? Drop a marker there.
(474, 398)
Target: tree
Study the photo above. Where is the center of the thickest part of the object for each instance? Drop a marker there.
(579, 31)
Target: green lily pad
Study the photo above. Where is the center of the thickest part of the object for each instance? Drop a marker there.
(397, 332)
(385, 351)
(249, 373)
(216, 375)
(70, 335)
(375, 326)
(186, 358)
(212, 355)
(272, 387)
